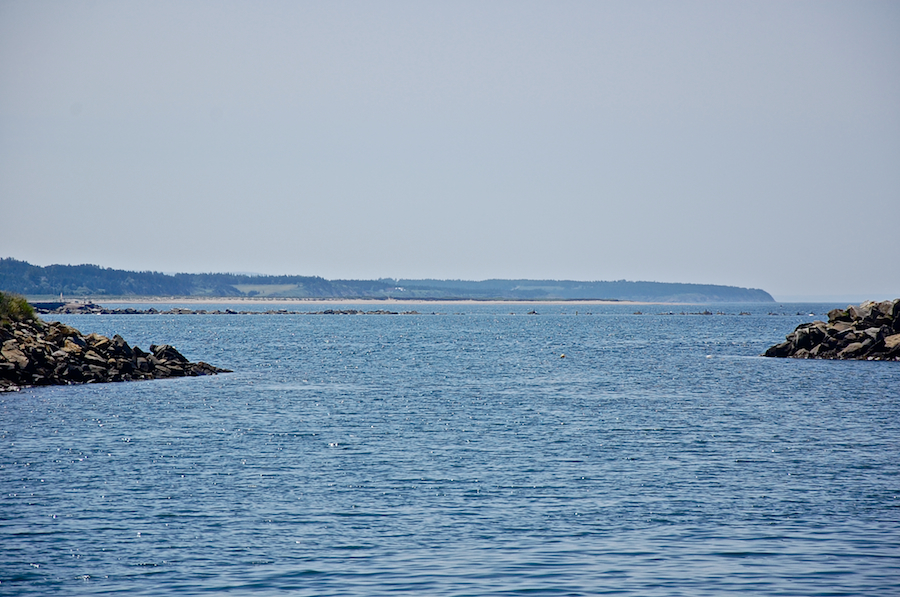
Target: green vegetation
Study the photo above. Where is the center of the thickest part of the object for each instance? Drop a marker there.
(93, 281)
(14, 308)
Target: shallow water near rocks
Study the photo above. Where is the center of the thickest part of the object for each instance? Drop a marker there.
(459, 454)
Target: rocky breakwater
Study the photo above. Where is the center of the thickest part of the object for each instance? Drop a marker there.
(870, 331)
(35, 353)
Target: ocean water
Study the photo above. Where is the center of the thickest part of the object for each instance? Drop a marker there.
(459, 453)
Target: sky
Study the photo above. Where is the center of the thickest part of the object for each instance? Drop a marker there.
(753, 144)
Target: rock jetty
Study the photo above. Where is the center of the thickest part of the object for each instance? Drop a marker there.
(870, 331)
(36, 353)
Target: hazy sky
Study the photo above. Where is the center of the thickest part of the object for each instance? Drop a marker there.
(746, 143)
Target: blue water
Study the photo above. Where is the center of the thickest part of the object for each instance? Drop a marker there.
(459, 454)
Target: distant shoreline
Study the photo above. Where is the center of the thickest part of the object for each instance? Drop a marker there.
(93, 281)
(357, 301)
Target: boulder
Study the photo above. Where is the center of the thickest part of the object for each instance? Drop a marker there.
(13, 354)
(892, 342)
(167, 353)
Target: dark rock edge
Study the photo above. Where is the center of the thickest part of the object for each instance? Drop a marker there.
(869, 332)
(36, 353)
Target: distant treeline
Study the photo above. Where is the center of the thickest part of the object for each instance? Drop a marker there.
(94, 281)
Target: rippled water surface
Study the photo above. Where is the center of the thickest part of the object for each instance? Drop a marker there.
(459, 454)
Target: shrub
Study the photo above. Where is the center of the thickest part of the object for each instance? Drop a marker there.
(15, 308)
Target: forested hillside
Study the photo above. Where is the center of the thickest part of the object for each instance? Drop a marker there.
(94, 281)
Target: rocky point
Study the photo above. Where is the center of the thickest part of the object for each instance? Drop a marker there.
(870, 331)
(36, 353)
